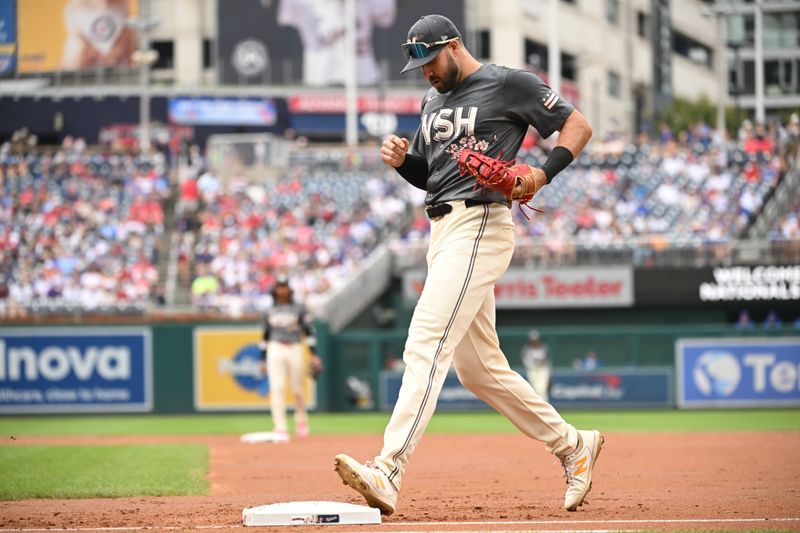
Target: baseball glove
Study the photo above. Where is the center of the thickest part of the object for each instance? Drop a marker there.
(501, 176)
(315, 367)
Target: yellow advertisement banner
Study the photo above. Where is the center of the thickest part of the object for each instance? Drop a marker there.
(227, 372)
(75, 34)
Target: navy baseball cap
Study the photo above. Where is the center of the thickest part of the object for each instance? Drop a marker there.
(426, 38)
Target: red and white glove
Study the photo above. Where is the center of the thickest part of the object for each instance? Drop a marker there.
(502, 176)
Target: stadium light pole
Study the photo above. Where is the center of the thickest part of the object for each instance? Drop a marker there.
(144, 57)
(759, 60)
(350, 87)
(722, 74)
(553, 47)
(720, 13)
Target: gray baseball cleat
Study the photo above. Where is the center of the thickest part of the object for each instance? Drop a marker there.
(578, 467)
(369, 480)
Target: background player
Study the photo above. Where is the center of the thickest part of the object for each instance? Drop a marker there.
(485, 108)
(284, 325)
(537, 364)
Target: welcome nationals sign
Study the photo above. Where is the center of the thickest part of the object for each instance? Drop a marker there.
(759, 283)
(550, 288)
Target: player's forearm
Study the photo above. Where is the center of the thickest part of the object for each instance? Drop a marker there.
(573, 136)
(415, 171)
(575, 133)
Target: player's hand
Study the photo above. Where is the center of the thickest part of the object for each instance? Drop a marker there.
(519, 188)
(315, 367)
(393, 150)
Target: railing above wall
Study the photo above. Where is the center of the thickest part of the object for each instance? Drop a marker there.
(641, 253)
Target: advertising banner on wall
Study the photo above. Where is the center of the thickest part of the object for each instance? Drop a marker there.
(8, 38)
(227, 373)
(610, 388)
(738, 372)
(550, 288)
(74, 35)
(222, 111)
(49, 370)
(735, 285)
(453, 397)
(302, 41)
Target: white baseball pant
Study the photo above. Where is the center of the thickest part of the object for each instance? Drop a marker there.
(454, 322)
(539, 377)
(286, 361)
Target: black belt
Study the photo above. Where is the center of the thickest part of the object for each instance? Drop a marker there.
(440, 210)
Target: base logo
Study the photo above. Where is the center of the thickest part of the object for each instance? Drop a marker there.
(228, 374)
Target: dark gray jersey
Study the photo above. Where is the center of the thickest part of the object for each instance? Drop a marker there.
(286, 323)
(489, 112)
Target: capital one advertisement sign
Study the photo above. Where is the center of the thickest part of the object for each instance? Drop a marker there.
(550, 288)
(738, 372)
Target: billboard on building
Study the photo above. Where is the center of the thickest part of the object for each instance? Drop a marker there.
(72, 35)
(8, 38)
(227, 373)
(65, 370)
(302, 41)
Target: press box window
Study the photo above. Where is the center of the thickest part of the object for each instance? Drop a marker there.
(612, 11)
(208, 55)
(614, 84)
(165, 51)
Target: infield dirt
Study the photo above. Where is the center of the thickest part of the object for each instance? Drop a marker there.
(471, 478)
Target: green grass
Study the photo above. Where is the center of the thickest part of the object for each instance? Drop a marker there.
(374, 423)
(102, 471)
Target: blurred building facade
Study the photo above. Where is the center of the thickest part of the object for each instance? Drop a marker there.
(608, 52)
(780, 27)
(620, 60)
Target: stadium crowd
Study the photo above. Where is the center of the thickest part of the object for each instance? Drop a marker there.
(313, 227)
(78, 231)
(686, 189)
(81, 230)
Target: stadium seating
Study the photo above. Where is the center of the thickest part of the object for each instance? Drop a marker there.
(674, 192)
(315, 227)
(79, 232)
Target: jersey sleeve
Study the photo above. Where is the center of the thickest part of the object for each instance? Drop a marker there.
(530, 99)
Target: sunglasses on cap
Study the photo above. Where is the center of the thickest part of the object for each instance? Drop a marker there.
(420, 50)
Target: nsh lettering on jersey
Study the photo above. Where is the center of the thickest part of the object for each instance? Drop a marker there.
(447, 123)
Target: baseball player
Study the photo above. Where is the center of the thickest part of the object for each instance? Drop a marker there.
(484, 108)
(537, 364)
(284, 325)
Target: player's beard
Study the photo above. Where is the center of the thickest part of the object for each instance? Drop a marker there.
(451, 76)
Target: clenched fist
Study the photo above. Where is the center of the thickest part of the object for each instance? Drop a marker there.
(393, 150)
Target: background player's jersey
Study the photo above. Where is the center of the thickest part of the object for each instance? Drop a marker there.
(286, 323)
(535, 356)
(489, 112)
